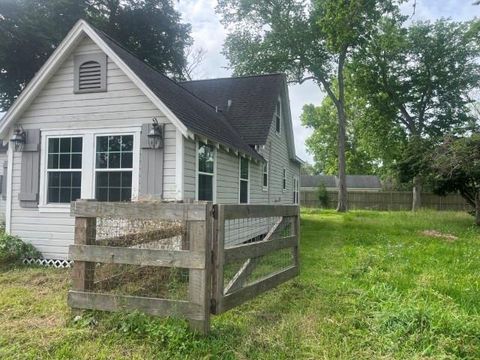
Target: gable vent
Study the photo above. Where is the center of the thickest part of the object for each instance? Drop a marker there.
(90, 76)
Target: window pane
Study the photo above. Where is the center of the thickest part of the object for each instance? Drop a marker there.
(53, 195)
(243, 192)
(54, 179)
(64, 161)
(53, 161)
(127, 143)
(77, 144)
(127, 160)
(102, 144)
(265, 180)
(53, 145)
(205, 158)
(65, 179)
(114, 160)
(101, 194)
(76, 161)
(277, 124)
(243, 168)
(205, 187)
(114, 194)
(114, 179)
(102, 160)
(126, 179)
(65, 145)
(126, 194)
(114, 143)
(76, 179)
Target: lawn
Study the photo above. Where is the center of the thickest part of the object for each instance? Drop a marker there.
(372, 285)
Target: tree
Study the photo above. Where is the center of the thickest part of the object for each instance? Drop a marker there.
(306, 41)
(31, 29)
(422, 76)
(456, 168)
(309, 169)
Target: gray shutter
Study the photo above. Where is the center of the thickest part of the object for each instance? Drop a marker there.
(151, 168)
(30, 173)
(4, 180)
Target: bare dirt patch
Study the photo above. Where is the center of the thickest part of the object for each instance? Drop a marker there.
(440, 235)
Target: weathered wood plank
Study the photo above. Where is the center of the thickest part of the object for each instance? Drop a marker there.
(199, 281)
(83, 273)
(218, 259)
(152, 306)
(241, 276)
(233, 211)
(143, 257)
(259, 248)
(140, 210)
(258, 287)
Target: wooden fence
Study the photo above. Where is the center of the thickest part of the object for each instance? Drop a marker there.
(386, 200)
(202, 251)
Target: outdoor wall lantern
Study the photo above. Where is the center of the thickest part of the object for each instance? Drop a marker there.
(155, 135)
(19, 138)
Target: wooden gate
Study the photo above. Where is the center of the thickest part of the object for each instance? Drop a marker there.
(255, 248)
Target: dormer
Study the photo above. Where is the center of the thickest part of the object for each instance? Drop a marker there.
(90, 73)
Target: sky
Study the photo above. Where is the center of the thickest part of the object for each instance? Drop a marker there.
(209, 34)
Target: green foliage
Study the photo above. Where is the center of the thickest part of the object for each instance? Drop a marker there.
(32, 29)
(322, 195)
(456, 168)
(14, 250)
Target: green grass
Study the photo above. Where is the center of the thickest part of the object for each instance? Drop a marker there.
(372, 286)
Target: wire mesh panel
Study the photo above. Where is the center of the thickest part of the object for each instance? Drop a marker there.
(256, 249)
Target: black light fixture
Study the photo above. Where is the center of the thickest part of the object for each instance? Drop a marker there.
(19, 138)
(155, 135)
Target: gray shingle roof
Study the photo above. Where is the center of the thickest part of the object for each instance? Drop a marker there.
(252, 101)
(315, 180)
(196, 114)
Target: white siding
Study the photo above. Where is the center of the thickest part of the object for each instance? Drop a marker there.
(57, 107)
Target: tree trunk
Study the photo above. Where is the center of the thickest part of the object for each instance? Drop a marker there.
(477, 209)
(342, 122)
(342, 174)
(417, 194)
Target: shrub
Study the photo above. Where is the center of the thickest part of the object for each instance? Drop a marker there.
(322, 195)
(13, 249)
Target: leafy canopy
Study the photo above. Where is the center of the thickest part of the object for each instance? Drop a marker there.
(31, 29)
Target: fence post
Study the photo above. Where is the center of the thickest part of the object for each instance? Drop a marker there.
(218, 259)
(296, 257)
(83, 271)
(199, 281)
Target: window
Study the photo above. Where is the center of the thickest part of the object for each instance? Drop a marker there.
(295, 190)
(64, 169)
(90, 73)
(284, 179)
(278, 117)
(113, 168)
(206, 172)
(244, 169)
(265, 175)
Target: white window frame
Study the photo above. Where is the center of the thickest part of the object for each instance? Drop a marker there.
(88, 162)
(278, 115)
(240, 179)
(284, 179)
(197, 172)
(266, 165)
(44, 149)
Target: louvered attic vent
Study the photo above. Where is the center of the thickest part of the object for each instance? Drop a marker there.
(90, 73)
(90, 76)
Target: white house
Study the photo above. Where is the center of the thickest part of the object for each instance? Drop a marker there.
(98, 123)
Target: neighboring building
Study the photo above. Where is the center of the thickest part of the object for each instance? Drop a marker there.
(354, 182)
(82, 127)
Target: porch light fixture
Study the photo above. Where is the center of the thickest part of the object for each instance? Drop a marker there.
(155, 135)
(19, 138)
